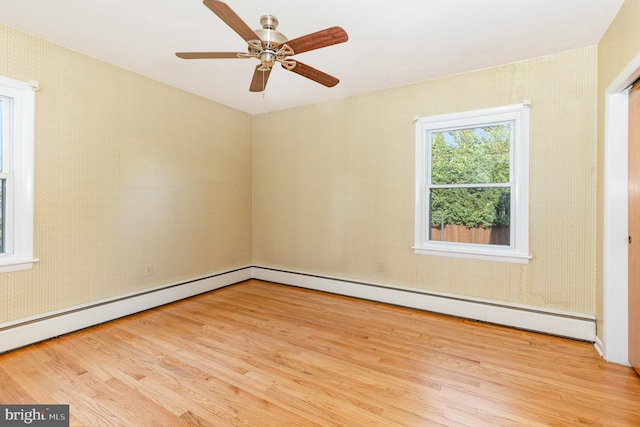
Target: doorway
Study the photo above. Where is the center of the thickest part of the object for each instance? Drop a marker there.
(612, 340)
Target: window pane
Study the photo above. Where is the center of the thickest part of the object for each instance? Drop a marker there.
(476, 155)
(2, 215)
(470, 215)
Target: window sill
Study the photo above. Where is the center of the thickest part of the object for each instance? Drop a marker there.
(486, 255)
(12, 263)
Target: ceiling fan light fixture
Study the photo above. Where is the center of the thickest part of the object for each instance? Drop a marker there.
(268, 59)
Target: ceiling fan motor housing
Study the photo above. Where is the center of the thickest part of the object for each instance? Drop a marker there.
(271, 38)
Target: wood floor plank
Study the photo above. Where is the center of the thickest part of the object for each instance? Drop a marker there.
(157, 365)
(262, 354)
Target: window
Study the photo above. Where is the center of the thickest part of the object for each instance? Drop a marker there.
(16, 176)
(472, 184)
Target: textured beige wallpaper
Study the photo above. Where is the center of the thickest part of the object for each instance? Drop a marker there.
(129, 172)
(334, 194)
(619, 45)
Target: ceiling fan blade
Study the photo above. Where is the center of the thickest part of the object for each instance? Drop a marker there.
(230, 18)
(206, 55)
(323, 38)
(313, 74)
(259, 81)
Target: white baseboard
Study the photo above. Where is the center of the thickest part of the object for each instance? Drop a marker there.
(28, 331)
(599, 346)
(565, 324)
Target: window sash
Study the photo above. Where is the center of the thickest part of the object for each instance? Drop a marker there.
(429, 138)
(6, 181)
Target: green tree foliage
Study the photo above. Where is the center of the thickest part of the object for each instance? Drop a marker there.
(470, 156)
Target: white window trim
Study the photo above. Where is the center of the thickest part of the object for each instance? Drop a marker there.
(19, 213)
(518, 250)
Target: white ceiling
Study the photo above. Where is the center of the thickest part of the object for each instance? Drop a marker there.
(391, 43)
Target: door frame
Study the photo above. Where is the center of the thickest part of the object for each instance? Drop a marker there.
(615, 341)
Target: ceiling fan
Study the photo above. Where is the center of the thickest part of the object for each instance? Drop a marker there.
(270, 46)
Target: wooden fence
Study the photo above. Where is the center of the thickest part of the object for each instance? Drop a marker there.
(462, 234)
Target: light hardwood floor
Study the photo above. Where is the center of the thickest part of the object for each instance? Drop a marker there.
(262, 354)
